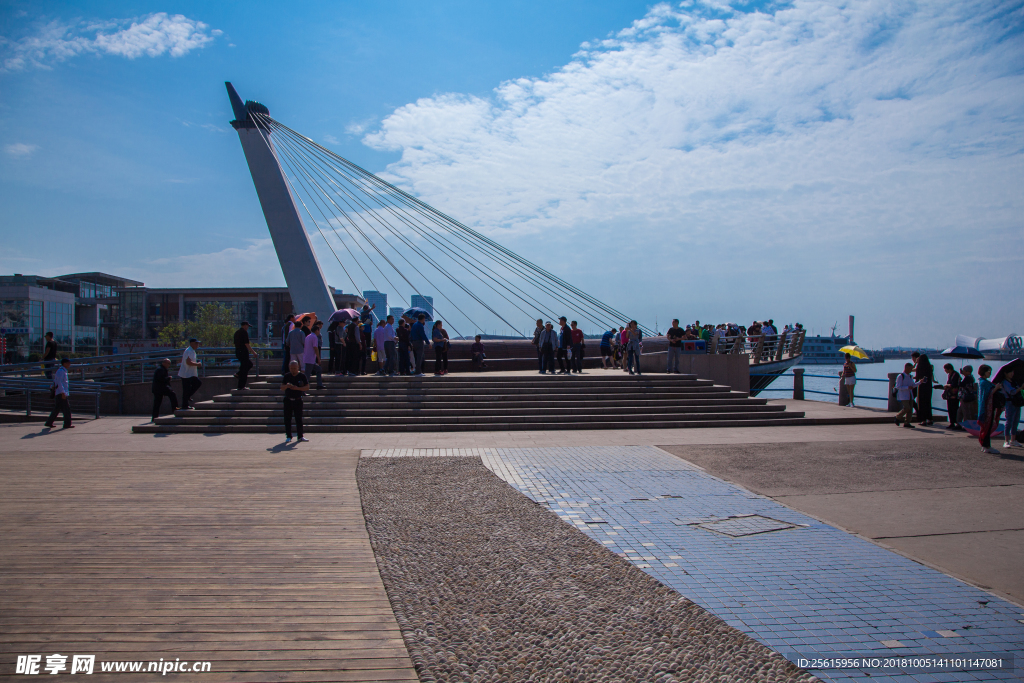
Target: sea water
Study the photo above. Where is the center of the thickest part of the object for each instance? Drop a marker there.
(870, 394)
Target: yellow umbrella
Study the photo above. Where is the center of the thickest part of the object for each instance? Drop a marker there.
(855, 351)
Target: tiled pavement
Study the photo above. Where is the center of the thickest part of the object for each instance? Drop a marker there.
(806, 589)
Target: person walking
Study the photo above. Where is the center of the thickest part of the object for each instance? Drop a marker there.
(607, 349)
(633, 346)
(243, 351)
(293, 383)
(905, 385)
(49, 355)
(577, 348)
(990, 404)
(968, 395)
(548, 341)
(404, 348)
(623, 345)
(418, 339)
(378, 346)
(188, 372)
(924, 374)
(536, 342)
(286, 329)
(162, 387)
(564, 342)
(848, 376)
(675, 347)
(311, 355)
(61, 396)
(951, 393)
(297, 343)
(1012, 390)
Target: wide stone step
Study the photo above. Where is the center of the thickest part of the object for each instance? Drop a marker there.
(778, 419)
(278, 418)
(314, 403)
(327, 411)
(560, 395)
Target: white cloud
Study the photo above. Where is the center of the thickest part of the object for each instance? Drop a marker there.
(20, 149)
(331, 140)
(153, 35)
(874, 143)
(254, 265)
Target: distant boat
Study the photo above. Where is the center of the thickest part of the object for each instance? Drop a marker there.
(822, 350)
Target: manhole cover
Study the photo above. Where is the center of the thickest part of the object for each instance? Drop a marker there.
(747, 525)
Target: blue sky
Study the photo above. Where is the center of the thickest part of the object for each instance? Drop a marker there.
(800, 161)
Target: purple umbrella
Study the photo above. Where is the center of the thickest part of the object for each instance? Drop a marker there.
(342, 315)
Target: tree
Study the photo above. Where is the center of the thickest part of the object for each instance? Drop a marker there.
(213, 325)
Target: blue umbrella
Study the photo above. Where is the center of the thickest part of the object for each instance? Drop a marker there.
(962, 352)
(414, 313)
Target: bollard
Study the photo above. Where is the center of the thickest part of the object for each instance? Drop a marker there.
(798, 384)
(894, 405)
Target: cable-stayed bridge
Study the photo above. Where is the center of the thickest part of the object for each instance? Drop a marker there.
(391, 241)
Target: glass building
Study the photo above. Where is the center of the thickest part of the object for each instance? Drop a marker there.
(424, 302)
(379, 299)
(96, 313)
(80, 310)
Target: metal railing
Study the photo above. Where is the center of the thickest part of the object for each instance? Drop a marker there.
(95, 375)
(799, 390)
(24, 394)
(763, 348)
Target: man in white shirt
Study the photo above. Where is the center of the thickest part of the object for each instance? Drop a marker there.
(905, 385)
(188, 371)
(311, 357)
(61, 394)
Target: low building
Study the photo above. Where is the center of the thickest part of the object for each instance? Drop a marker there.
(80, 309)
(98, 313)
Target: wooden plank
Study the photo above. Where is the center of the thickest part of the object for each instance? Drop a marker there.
(257, 563)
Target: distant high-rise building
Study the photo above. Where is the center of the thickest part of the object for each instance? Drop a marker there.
(424, 302)
(396, 311)
(381, 300)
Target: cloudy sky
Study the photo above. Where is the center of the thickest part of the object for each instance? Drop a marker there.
(800, 161)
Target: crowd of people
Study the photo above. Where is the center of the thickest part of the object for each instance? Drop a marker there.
(978, 402)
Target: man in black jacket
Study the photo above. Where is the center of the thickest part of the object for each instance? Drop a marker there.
(162, 387)
(243, 351)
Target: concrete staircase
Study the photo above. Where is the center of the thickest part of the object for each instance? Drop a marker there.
(482, 402)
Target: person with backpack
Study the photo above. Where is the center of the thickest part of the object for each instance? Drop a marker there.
(905, 385)
(951, 394)
(968, 395)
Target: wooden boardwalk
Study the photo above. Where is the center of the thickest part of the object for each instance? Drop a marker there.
(257, 562)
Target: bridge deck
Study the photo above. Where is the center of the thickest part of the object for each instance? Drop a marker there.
(258, 562)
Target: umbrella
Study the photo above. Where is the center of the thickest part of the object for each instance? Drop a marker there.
(962, 352)
(342, 315)
(414, 313)
(855, 351)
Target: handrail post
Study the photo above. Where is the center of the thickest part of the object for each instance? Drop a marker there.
(798, 384)
(759, 349)
(122, 372)
(28, 402)
(713, 345)
(782, 346)
(894, 405)
(97, 395)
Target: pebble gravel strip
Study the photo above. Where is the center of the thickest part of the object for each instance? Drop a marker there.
(487, 585)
